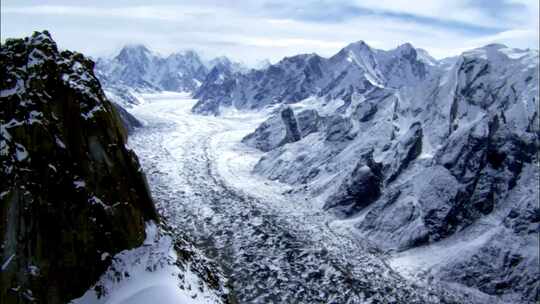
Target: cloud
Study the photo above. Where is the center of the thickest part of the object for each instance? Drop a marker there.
(253, 30)
(339, 11)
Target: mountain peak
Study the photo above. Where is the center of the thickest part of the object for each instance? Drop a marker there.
(358, 45)
(406, 47)
(133, 51)
(495, 46)
(135, 48)
(425, 57)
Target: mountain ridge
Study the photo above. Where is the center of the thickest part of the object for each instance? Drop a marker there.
(416, 155)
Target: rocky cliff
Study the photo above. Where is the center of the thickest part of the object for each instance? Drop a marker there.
(429, 159)
(72, 195)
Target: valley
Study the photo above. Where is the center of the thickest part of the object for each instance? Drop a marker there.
(276, 247)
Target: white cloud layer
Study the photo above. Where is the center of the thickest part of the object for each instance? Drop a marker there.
(250, 31)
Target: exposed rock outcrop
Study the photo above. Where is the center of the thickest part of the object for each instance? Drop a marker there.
(292, 133)
(457, 141)
(72, 194)
(358, 190)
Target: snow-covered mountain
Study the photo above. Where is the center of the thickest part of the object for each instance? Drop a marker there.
(354, 70)
(375, 176)
(76, 215)
(139, 68)
(435, 160)
(136, 69)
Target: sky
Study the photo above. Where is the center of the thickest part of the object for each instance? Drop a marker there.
(250, 31)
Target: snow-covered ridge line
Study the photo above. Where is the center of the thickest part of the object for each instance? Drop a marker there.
(411, 153)
(353, 70)
(153, 273)
(136, 69)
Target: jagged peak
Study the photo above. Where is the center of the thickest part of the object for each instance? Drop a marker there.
(359, 47)
(186, 56)
(297, 58)
(133, 50)
(354, 50)
(41, 40)
(495, 46)
(425, 57)
(221, 60)
(488, 52)
(135, 47)
(190, 53)
(41, 37)
(406, 47)
(358, 44)
(405, 50)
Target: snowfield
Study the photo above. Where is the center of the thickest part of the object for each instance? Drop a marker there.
(148, 274)
(274, 244)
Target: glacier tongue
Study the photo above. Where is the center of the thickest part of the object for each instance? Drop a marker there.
(273, 244)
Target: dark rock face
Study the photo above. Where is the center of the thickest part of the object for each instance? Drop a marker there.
(500, 267)
(359, 190)
(129, 121)
(269, 135)
(309, 122)
(488, 163)
(283, 128)
(71, 192)
(292, 133)
(218, 83)
(291, 80)
(338, 128)
(407, 150)
(365, 111)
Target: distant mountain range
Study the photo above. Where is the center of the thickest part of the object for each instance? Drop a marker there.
(137, 69)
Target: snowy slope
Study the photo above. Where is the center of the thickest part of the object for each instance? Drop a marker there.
(136, 70)
(139, 68)
(156, 273)
(421, 154)
(354, 70)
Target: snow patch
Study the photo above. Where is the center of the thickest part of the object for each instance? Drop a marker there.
(79, 184)
(148, 274)
(6, 263)
(20, 152)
